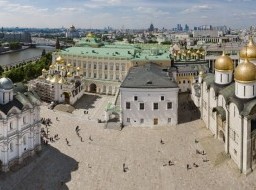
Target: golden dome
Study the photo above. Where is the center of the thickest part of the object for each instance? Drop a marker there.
(249, 51)
(69, 65)
(69, 74)
(224, 63)
(188, 51)
(198, 51)
(54, 79)
(62, 80)
(245, 72)
(44, 70)
(51, 67)
(49, 77)
(78, 68)
(62, 68)
(59, 60)
(201, 72)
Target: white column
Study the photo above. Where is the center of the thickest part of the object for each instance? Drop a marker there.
(247, 146)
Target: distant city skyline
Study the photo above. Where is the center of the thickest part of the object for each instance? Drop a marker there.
(127, 13)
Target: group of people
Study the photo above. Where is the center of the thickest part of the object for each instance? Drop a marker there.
(45, 138)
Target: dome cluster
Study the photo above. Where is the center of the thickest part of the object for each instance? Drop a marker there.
(6, 84)
(245, 72)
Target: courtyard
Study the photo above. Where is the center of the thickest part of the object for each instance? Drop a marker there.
(95, 158)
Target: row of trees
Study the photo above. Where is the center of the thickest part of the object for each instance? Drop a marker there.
(25, 72)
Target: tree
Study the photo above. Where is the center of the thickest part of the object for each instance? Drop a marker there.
(57, 45)
(43, 52)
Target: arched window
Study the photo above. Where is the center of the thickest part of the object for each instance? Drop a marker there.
(24, 140)
(11, 147)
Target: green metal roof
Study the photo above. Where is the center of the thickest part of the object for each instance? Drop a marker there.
(99, 52)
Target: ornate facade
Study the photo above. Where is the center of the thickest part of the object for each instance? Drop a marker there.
(62, 83)
(19, 124)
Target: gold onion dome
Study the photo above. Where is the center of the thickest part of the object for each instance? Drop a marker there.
(51, 67)
(62, 68)
(62, 80)
(69, 65)
(44, 70)
(49, 77)
(78, 68)
(198, 51)
(249, 51)
(59, 60)
(69, 74)
(245, 72)
(224, 63)
(54, 79)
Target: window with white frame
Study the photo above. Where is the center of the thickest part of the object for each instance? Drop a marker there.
(169, 105)
(128, 105)
(142, 106)
(155, 106)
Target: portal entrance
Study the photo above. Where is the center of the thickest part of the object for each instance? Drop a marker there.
(66, 98)
(93, 88)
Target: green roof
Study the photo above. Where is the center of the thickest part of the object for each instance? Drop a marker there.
(99, 52)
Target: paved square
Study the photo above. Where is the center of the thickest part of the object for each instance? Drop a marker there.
(98, 163)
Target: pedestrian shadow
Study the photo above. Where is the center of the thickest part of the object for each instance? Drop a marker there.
(50, 169)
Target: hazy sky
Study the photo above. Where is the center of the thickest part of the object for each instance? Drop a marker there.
(126, 13)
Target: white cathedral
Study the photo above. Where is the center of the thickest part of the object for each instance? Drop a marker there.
(19, 124)
(227, 102)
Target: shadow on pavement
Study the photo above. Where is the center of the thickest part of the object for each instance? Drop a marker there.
(50, 169)
(86, 101)
(187, 110)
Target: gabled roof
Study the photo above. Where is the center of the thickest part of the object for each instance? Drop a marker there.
(148, 76)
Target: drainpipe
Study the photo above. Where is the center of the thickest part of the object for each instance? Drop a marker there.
(242, 138)
(228, 123)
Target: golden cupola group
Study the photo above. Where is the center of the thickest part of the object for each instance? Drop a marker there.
(224, 63)
(248, 51)
(245, 72)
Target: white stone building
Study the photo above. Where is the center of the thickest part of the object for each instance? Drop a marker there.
(227, 101)
(19, 124)
(149, 97)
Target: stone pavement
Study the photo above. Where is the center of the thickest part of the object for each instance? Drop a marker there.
(98, 163)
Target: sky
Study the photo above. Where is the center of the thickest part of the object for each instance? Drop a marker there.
(126, 14)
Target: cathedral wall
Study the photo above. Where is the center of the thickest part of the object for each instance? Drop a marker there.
(235, 133)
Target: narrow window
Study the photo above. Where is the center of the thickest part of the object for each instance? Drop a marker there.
(244, 90)
(253, 89)
(169, 105)
(128, 120)
(169, 120)
(11, 127)
(162, 98)
(135, 98)
(141, 106)
(141, 120)
(220, 77)
(11, 147)
(155, 106)
(128, 105)
(24, 140)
